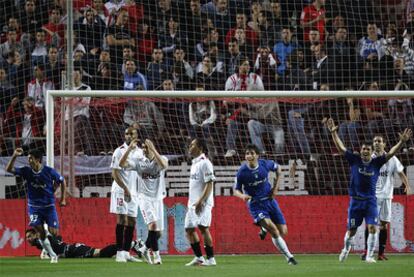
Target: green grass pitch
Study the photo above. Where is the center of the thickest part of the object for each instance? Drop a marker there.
(257, 265)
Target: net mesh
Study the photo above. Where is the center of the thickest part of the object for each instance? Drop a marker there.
(210, 45)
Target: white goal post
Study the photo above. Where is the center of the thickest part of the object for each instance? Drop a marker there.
(51, 94)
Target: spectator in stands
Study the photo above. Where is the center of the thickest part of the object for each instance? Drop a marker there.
(371, 47)
(81, 116)
(164, 10)
(314, 17)
(403, 51)
(170, 40)
(202, 116)
(10, 44)
(13, 23)
(283, 49)
(233, 57)
(53, 67)
(216, 58)
(209, 77)
(118, 36)
(268, 35)
(32, 126)
(244, 46)
(276, 18)
(219, 12)
(100, 10)
(39, 51)
(90, 29)
(182, 72)
(156, 69)
(295, 77)
(107, 78)
(146, 42)
(54, 28)
(266, 118)
(337, 22)
(19, 72)
(343, 58)
(31, 18)
(38, 86)
(7, 91)
(323, 68)
(243, 80)
(146, 118)
(241, 23)
(134, 80)
(314, 39)
(127, 54)
(255, 9)
(265, 67)
(193, 27)
(209, 36)
(400, 79)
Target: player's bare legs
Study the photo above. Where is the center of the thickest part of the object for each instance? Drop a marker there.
(348, 240)
(276, 233)
(44, 241)
(208, 244)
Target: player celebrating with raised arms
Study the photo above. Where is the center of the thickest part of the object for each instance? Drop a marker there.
(384, 193)
(253, 186)
(365, 171)
(124, 202)
(200, 203)
(151, 192)
(40, 182)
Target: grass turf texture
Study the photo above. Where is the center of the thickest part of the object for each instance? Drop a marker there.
(258, 265)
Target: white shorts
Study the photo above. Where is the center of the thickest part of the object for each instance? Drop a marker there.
(192, 220)
(120, 206)
(384, 209)
(152, 210)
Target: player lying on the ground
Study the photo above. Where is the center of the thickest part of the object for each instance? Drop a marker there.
(74, 250)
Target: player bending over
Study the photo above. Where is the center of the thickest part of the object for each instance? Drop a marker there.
(151, 192)
(124, 202)
(384, 193)
(40, 181)
(73, 250)
(365, 171)
(252, 185)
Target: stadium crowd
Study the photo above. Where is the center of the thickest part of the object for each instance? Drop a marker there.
(206, 45)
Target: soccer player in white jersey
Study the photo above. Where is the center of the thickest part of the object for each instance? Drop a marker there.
(151, 192)
(124, 202)
(384, 193)
(200, 203)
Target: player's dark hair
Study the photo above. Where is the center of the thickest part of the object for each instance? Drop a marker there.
(201, 143)
(367, 143)
(30, 230)
(37, 154)
(252, 147)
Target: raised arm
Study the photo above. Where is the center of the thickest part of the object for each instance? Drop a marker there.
(404, 137)
(160, 161)
(123, 162)
(330, 124)
(10, 165)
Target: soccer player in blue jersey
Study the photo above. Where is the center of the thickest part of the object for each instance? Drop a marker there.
(364, 175)
(253, 186)
(40, 182)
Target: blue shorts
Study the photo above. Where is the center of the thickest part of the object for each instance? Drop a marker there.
(39, 216)
(362, 209)
(266, 209)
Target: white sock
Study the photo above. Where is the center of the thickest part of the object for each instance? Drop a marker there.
(280, 244)
(156, 253)
(371, 245)
(46, 245)
(348, 241)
